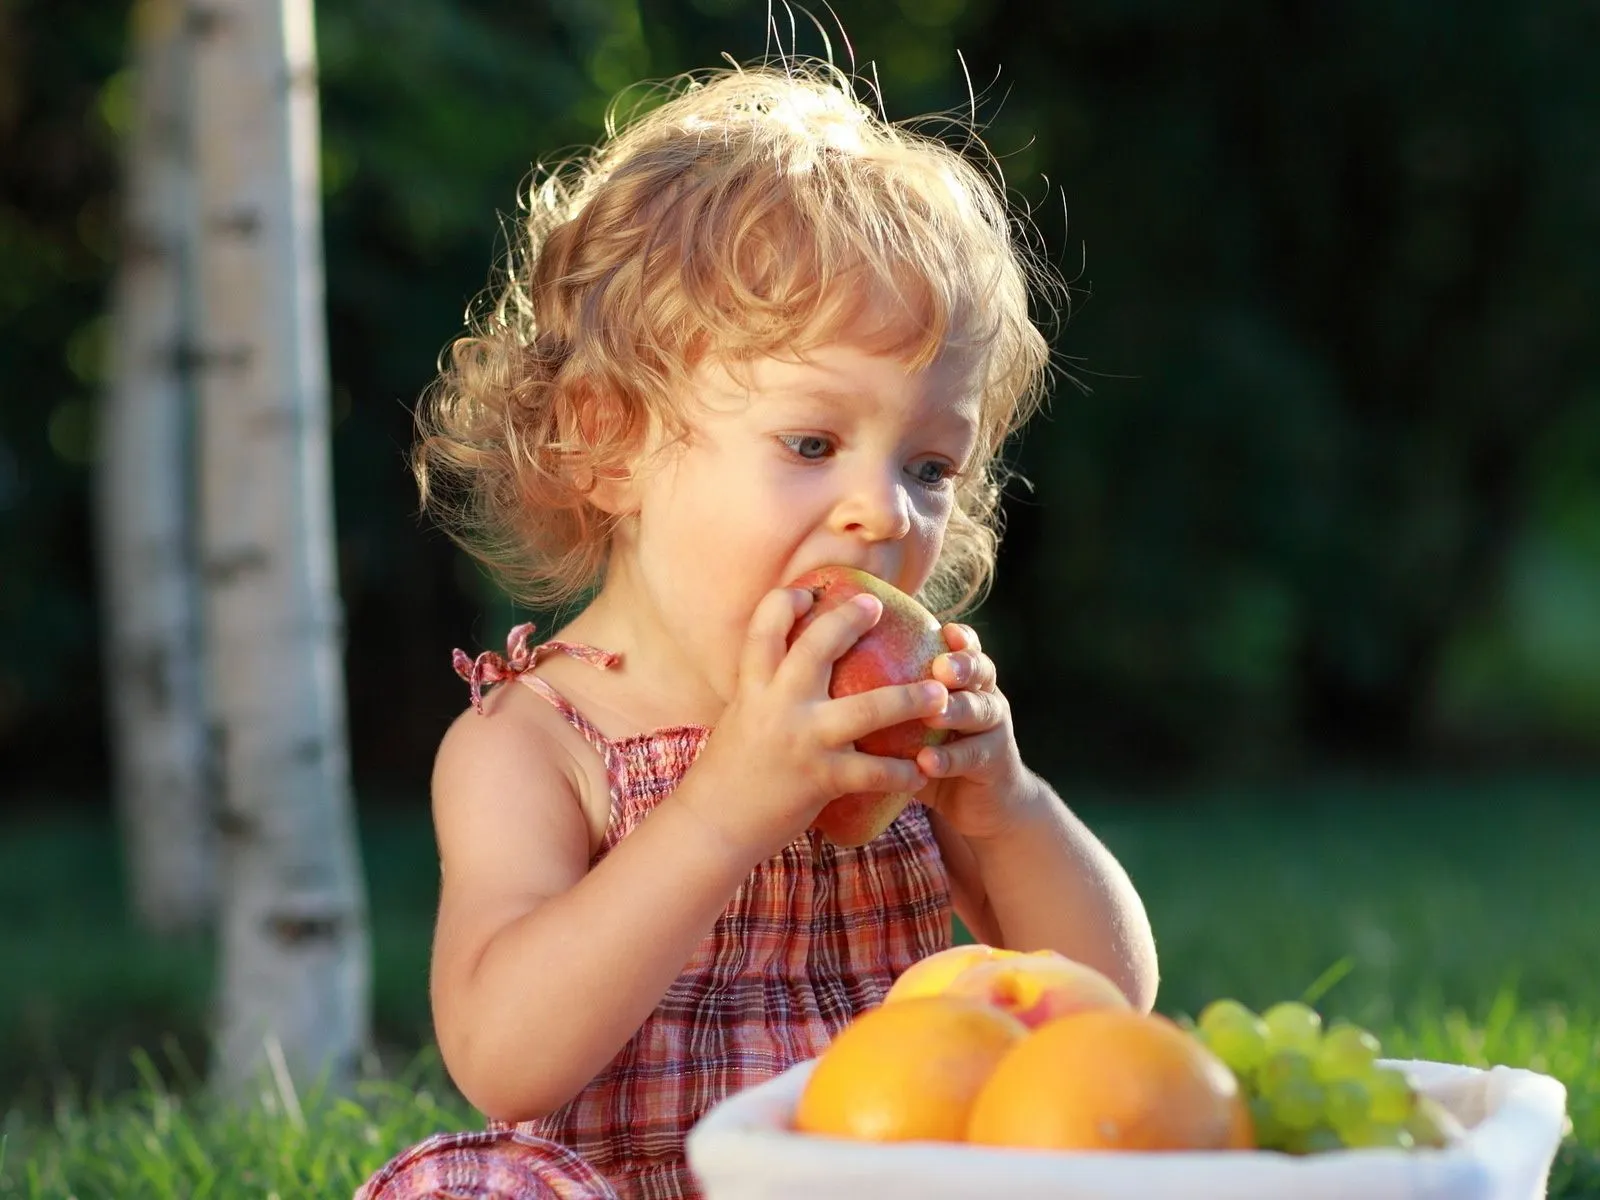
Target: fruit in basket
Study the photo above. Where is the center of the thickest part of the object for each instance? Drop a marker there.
(1039, 987)
(900, 648)
(907, 1071)
(1111, 1079)
(931, 975)
(1235, 1034)
(1311, 1089)
(1035, 986)
(1433, 1125)
(960, 1062)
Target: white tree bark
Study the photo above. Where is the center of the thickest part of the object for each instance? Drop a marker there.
(294, 942)
(151, 640)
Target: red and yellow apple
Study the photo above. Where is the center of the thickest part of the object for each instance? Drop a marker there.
(900, 648)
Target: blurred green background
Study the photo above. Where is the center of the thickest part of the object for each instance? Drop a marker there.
(1334, 496)
(1326, 507)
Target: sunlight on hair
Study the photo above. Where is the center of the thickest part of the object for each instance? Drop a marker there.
(736, 212)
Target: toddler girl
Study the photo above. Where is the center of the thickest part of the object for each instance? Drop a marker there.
(757, 331)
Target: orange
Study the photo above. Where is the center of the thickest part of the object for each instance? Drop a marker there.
(1242, 1129)
(1110, 1079)
(906, 1071)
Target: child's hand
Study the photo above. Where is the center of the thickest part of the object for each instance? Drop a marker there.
(783, 747)
(979, 783)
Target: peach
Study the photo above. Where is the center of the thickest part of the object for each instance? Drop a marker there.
(900, 648)
(1038, 987)
(931, 975)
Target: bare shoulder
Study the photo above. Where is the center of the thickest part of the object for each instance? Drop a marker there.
(509, 820)
(506, 775)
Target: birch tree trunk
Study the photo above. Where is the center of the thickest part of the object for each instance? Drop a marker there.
(144, 499)
(294, 943)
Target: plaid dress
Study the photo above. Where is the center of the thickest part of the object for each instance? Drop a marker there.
(814, 936)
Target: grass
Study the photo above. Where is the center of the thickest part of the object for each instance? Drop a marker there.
(1464, 913)
(151, 1143)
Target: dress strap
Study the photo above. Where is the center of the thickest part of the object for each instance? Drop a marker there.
(490, 668)
(518, 662)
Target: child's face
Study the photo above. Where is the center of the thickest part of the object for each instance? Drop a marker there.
(845, 458)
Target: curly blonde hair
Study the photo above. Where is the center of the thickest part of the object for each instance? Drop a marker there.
(740, 212)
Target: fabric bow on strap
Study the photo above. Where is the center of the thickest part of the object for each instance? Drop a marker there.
(490, 668)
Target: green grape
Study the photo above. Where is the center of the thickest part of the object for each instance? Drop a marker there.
(1346, 1052)
(1283, 1066)
(1286, 1080)
(1299, 1104)
(1319, 1139)
(1225, 1012)
(1292, 1026)
(1234, 1034)
(1347, 1104)
(1378, 1135)
(1271, 1133)
(1392, 1098)
(1432, 1124)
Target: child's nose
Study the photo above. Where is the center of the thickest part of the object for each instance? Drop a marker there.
(876, 508)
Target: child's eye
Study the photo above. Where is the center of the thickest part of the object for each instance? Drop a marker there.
(932, 471)
(809, 446)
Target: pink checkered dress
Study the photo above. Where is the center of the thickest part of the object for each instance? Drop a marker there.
(814, 936)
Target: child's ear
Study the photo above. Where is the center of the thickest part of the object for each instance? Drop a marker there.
(601, 422)
(613, 492)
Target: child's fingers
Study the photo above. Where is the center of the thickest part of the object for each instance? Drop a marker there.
(829, 636)
(767, 637)
(851, 717)
(963, 756)
(965, 669)
(961, 637)
(874, 773)
(970, 712)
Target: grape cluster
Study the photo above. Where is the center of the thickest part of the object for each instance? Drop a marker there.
(1312, 1089)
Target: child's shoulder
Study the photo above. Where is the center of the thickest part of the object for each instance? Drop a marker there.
(515, 760)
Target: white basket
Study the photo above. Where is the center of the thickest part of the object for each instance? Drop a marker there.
(743, 1149)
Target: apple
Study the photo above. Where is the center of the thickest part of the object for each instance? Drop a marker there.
(900, 648)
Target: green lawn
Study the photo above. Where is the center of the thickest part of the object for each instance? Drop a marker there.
(1463, 918)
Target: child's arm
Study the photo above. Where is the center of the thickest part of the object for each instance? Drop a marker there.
(1049, 882)
(542, 968)
(1025, 871)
